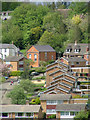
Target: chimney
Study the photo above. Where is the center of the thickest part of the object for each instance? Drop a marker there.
(75, 42)
(12, 42)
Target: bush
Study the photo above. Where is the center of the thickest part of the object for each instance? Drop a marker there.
(52, 116)
(40, 69)
(44, 115)
(35, 101)
(16, 73)
(2, 79)
(39, 78)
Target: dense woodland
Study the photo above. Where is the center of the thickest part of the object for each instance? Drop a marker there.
(44, 24)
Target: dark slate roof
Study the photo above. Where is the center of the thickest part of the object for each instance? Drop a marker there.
(70, 107)
(44, 48)
(19, 108)
(13, 58)
(55, 96)
(10, 46)
(82, 47)
(74, 59)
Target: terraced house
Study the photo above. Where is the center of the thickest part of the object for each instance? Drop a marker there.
(61, 105)
(20, 111)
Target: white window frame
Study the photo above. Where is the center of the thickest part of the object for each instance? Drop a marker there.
(30, 56)
(45, 55)
(21, 62)
(35, 57)
(51, 111)
(51, 102)
(67, 50)
(52, 57)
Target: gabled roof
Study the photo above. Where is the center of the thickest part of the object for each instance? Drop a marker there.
(19, 108)
(13, 58)
(10, 46)
(70, 107)
(55, 96)
(81, 46)
(44, 48)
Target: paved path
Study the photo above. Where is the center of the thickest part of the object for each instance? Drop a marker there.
(5, 88)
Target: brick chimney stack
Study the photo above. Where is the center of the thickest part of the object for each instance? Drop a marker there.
(75, 42)
(12, 42)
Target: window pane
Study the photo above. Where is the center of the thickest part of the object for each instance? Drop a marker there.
(66, 113)
(4, 114)
(62, 113)
(71, 113)
(20, 114)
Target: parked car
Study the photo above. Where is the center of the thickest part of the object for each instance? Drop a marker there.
(34, 73)
(6, 77)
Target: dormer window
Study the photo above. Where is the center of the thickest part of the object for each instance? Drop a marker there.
(68, 50)
(76, 50)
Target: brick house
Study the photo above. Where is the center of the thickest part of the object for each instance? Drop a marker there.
(78, 65)
(49, 102)
(41, 53)
(15, 63)
(76, 50)
(20, 111)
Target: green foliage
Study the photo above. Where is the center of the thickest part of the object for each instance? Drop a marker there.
(35, 101)
(39, 85)
(82, 115)
(44, 115)
(40, 69)
(27, 85)
(17, 95)
(2, 79)
(52, 116)
(26, 73)
(78, 8)
(25, 26)
(9, 6)
(39, 78)
(16, 73)
(78, 96)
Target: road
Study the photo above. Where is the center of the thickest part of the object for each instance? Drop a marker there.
(5, 88)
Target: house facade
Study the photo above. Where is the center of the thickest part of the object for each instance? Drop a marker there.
(15, 63)
(68, 111)
(20, 111)
(8, 50)
(39, 53)
(52, 103)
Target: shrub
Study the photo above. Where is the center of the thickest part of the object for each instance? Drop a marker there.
(16, 73)
(2, 79)
(52, 116)
(44, 115)
(35, 101)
